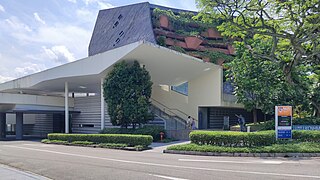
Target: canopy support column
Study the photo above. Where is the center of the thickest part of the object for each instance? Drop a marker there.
(66, 107)
(102, 104)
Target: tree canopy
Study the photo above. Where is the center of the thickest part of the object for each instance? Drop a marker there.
(287, 33)
(127, 90)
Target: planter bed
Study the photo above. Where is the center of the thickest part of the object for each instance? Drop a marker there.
(95, 145)
(303, 149)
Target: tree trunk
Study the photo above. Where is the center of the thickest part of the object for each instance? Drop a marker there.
(254, 112)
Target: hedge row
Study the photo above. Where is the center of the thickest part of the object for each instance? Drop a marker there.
(131, 140)
(307, 136)
(304, 147)
(153, 131)
(232, 139)
(244, 139)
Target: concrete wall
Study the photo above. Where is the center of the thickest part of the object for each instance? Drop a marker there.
(90, 115)
(205, 90)
(120, 26)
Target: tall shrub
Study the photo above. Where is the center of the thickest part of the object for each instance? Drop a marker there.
(127, 90)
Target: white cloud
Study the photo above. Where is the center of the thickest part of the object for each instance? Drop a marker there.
(2, 8)
(28, 68)
(15, 25)
(74, 37)
(59, 54)
(5, 79)
(102, 4)
(105, 5)
(37, 17)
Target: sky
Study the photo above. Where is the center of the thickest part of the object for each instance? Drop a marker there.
(39, 34)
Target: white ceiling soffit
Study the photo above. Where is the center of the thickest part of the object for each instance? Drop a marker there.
(165, 66)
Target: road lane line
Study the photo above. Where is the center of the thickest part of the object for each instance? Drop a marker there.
(235, 162)
(167, 177)
(167, 165)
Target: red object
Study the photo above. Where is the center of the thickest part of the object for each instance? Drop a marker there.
(161, 135)
(192, 42)
(164, 21)
(212, 33)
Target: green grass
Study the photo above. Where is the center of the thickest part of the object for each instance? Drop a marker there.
(304, 147)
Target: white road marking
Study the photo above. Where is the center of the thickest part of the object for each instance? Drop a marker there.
(236, 162)
(168, 165)
(167, 177)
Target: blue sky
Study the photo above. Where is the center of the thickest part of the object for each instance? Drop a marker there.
(39, 34)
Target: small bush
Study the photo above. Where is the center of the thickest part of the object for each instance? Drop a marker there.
(305, 147)
(232, 139)
(306, 136)
(131, 140)
(244, 139)
(153, 131)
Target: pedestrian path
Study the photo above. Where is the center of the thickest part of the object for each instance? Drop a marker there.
(159, 147)
(9, 173)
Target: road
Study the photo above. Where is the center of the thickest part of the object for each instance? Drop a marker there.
(67, 162)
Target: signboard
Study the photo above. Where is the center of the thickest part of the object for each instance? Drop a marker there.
(283, 118)
(306, 127)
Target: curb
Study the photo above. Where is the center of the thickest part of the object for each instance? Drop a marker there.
(243, 154)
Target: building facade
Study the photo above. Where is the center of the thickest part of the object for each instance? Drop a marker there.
(180, 55)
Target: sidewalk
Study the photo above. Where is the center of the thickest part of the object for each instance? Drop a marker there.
(159, 147)
(9, 173)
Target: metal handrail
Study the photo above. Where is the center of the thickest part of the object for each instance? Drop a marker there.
(175, 118)
(171, 109)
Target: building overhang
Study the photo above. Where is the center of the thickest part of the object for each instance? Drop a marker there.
(166, 67)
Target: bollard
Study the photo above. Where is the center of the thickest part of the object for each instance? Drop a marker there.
(248, 129)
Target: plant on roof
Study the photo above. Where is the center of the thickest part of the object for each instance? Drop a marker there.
(161, 40)
(127, 90)
(183, 22)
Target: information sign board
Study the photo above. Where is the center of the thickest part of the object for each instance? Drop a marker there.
(283, 124)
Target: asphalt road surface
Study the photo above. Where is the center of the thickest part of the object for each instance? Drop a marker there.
(67, 162)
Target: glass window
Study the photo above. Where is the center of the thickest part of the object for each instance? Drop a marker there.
(182, 88)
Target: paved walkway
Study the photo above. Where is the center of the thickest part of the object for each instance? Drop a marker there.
(8, 173)
(159, 147)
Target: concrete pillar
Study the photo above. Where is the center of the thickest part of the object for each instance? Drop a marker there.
(66, 107)
(19, 125)
(3, 125)
(102, 104)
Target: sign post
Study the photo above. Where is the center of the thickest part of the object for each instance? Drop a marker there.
(283, 124)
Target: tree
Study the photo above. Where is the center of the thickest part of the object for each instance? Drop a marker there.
(257, 83)
(291, 28)
(127, 90)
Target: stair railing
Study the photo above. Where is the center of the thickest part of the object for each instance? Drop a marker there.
(167, 112)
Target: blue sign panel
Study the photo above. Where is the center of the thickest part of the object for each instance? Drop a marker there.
(306, 127)
(284, 134)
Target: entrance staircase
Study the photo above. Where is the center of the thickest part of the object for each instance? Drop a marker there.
(175, 126)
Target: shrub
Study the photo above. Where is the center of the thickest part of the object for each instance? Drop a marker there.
(305, 147)
(244, 139)
(306, 136)
(131, 140)
(153, 131)
(232, 139)
(306, 121)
